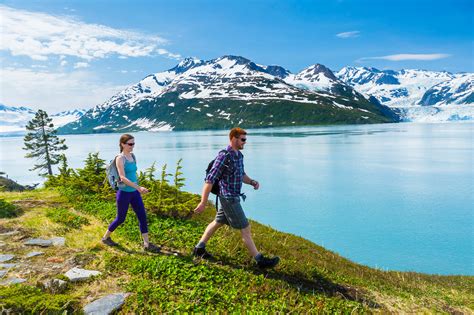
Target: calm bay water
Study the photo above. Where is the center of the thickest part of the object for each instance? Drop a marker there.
(395, 196)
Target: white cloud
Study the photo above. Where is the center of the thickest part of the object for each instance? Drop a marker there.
(403, 57)
(63, 63)
(53, 91)
(40, 35)
(348, 34)
(79, 65)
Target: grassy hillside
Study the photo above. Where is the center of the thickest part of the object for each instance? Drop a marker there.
(310, 279)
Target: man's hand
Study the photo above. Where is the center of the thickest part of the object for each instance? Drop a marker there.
(200, 207)
(255, 184)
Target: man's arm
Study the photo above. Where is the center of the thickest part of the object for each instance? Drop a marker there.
(247, 180)
(206, 189)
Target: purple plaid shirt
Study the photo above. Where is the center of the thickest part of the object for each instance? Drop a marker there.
(230, 179)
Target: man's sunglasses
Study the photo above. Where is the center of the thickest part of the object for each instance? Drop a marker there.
(243, 139)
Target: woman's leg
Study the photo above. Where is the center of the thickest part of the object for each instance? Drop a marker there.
(123, 201)
(139, 208)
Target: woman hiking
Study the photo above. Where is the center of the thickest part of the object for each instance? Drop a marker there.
(129, 194)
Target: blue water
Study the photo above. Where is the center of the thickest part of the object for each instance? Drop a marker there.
(395, 196)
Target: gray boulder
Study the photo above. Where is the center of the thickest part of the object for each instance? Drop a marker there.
(39, 242)
(58, 241)
(78, 274)
(33, 254)
(8, 266)
(13, 280)
(6, 257)
(106, 305)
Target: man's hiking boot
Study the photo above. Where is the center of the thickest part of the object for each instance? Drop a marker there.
(202, 253)
(152, 248)
(108, 241)
(265, 262)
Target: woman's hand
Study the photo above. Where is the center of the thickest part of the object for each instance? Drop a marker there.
(142, 190)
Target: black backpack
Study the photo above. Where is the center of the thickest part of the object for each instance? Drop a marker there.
(215, 187)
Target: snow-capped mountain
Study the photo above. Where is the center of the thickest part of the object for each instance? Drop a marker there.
(459, 90)
(406, 91)
(14, 119)
(316, 78)
(226, 91)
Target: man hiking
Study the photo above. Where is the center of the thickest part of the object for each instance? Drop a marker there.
(228, 169)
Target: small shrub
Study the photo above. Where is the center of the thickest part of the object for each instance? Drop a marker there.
(8, 210)
(66, 218)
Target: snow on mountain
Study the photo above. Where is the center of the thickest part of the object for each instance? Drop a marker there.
(225, 77)
(316, 78)
(459, 90)
(150, 87)
(14, 119)
(393, 88)
(63, 118)
(230, 77)
(405, 90)
(168, 99)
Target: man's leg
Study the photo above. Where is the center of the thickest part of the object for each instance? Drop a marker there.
(248, 241)
(210, 230)
(200, 249)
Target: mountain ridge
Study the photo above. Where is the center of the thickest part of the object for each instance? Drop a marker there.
(226, 87)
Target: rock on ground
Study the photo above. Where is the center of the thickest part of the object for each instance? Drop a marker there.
(39, 242)
(78, 274)
(13, 280)
(106, 305)
(33, 254)
(6, 257)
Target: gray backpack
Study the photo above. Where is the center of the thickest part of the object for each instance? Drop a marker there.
(112, 175)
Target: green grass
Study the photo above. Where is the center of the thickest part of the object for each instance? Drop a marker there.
(310, 279)
(66, 218)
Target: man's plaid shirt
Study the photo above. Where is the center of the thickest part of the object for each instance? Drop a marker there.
(230, 178)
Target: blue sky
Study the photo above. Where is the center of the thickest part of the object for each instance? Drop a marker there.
(82, 52)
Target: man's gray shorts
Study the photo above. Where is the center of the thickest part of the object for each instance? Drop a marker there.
(231, 213)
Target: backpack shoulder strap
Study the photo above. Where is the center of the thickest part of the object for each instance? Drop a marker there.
(134, 158)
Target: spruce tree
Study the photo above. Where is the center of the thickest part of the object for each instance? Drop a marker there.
(43, 144)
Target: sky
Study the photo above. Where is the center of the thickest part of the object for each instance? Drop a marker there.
(60, 55)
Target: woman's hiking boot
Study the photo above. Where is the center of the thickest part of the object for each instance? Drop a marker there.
(266, 262)
(152, 248)
(108, 241)
(202, 253)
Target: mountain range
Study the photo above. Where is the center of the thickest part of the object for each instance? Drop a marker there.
(416, 95)
(232, 90)
(14, 119)
(229, 91)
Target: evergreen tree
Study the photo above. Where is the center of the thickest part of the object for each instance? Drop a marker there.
(43, 144)
(91, 177)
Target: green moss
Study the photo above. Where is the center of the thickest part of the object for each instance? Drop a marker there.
(22, 299)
